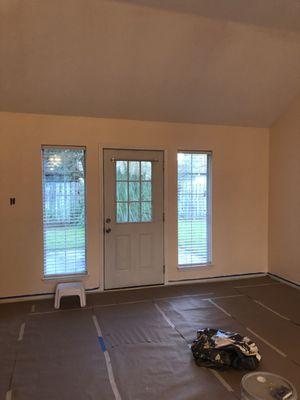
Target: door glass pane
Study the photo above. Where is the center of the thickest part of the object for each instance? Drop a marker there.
(134, 170)
(146, 211)
(134, 212)
(146, 191)
(133, 191)
(122, 170)
(122, 212)
(122, 191)
(146, 170)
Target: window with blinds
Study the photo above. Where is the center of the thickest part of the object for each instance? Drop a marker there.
(193, 208)
(64, 210)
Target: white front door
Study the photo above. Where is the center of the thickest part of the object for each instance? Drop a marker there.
(133, 218)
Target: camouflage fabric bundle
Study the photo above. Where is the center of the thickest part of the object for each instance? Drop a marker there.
(214, 348)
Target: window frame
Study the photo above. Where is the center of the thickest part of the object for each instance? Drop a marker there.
(71, 274)
(209, 261)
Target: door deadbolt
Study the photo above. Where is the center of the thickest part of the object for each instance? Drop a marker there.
(108, 220)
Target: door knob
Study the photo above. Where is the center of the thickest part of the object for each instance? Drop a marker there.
(108, 220)
(108, 230)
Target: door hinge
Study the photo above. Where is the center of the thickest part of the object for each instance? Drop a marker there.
(163, 217)
(164, 269)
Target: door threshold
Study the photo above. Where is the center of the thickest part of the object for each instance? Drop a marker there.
(134, 287)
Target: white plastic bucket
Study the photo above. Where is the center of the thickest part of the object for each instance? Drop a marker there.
(263, 385)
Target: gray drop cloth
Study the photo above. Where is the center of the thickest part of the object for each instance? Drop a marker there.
(11, 317)
(150, 359)
(188, 315)
(151, 371)
(7, 360)
(281, 298)
(191, 314)
(60, 358)
(281, 333)
(133, 323)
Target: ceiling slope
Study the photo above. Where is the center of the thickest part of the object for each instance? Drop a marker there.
(278, 14)
(121, 59)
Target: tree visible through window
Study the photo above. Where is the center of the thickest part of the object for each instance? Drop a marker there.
(64, 210)
(193, 208)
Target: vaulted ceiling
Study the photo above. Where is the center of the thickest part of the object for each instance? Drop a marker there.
(208, 61)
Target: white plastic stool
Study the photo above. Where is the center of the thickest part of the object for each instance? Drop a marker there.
(69, 289)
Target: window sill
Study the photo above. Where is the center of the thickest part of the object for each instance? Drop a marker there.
(64, 277)
(195, 266)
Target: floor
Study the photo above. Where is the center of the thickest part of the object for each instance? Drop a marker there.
(134, 345)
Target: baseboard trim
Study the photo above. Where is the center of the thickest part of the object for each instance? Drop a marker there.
(50, 295)
(36, 296)
(219, 278)
(284, 280)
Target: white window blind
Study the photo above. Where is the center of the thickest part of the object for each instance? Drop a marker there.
(64, 210)
(193, 208)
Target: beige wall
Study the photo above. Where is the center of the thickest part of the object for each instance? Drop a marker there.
(284, 238)
(240, 192)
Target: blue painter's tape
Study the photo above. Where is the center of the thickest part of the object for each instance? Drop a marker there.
(102, 344)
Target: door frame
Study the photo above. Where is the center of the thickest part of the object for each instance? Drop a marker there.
(114, 146)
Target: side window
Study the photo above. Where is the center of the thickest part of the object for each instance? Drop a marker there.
(64, 211)
(194, 247)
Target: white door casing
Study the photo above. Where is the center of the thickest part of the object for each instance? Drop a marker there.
(133, 218)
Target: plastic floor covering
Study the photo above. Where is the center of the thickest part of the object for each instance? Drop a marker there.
(134, 344)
